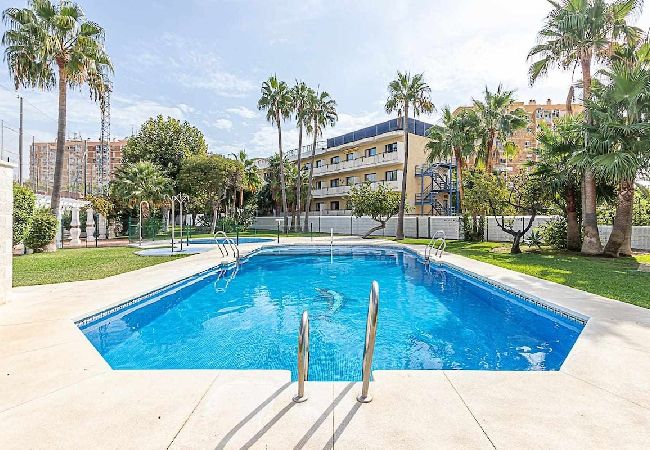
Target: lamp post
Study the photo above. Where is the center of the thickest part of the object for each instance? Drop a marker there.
(180, 198)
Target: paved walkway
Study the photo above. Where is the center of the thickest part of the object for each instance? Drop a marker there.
(57, 391)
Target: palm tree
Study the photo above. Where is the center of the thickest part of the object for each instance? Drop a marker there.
(321, 112)
(300, 94)
(51, 41)
(140, 181)
(406, 92)
(251, 180)
(498, 121)
(575, 32)
(276, 101)
(454, 138)
(620, 139)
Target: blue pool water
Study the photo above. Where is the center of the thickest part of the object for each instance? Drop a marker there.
(429, 318)
(242, 240)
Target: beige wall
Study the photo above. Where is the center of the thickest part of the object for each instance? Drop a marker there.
(6, 226)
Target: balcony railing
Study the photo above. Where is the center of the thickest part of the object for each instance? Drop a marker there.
(339, 191)
(363, 163)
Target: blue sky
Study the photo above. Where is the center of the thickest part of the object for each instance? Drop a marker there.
(204, 61)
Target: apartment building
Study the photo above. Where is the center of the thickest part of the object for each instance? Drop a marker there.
(526, 139)
(86, 169)
(376, 155)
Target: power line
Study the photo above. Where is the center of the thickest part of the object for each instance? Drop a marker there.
(28, 102)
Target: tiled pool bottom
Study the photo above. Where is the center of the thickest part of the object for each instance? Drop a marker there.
(430, 317)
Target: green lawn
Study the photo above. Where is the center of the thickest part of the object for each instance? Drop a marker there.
(80, 264)
(613, 278)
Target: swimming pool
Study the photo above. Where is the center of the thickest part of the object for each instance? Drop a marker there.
(430, 317)
(242, 240)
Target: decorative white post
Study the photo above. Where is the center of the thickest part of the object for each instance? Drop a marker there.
(90, 225)
(75, 231)
(111, 229)
(101, 223)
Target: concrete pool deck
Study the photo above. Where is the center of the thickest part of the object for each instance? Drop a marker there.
(57, 391)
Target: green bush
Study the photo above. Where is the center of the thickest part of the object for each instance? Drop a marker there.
(473, 228)
(42, 230)
(554, 233)
(24, 201)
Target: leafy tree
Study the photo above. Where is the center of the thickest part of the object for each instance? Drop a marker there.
(406, 92)
(209, 178)
(54, 42)
(291, 182)
(575, 32)
(454, 138)
(251, 179)
(380, 204)
(24, 202)
(560, 172)
(100, 204)
(301, 95)
(497, 122)
(321, 112)
(140, 181)
(165, 142)
(276, 100)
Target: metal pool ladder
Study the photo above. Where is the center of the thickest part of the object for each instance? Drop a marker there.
(222, 245)
(369, 348)
(436, 246)
(303, 357)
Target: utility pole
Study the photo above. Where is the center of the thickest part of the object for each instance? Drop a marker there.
(20, 143)
(2, 140)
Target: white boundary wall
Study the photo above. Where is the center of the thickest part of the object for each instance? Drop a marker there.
(425, 226)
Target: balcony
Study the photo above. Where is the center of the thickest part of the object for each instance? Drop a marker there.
(366, 162)
(340, 191)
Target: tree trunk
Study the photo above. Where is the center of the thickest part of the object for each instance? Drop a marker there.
(621, 219)
(591, 242)
(311, 176)
(626, 248)
(241, 198)
(490, 150)
(60, 143)
(516, 244)
(296, 224)
(381, 226)
(402, 202)
(459, 175)
(572, 225)
(283, 186)
(215, 214)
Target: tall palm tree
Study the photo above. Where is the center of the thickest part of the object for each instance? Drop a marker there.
(620, 139)
(575, 32)
(405, 92)
(454, 138)
(251, 180)
(498, 121)
(300, 95)
(321, 112)
(49, 42)
(276, 101)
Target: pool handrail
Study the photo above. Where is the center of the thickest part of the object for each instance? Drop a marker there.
(222, 245)
(369, 347)
(436, 246)
(303, 357)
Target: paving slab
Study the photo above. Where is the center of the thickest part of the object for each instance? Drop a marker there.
(545, 410)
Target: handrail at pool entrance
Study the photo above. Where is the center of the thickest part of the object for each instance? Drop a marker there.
(222, 245)
(369, 348)
(303, 357)
(436, 245)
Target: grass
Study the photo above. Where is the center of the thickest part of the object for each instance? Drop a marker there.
(613, 278)
(80, 264)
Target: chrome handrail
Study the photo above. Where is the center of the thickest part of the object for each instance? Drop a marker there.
(369, 348)
(222, 245)
(432, 249)
(303, 357)
(219, 244)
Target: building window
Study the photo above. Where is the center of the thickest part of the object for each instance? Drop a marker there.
(319, 206)
(318, 185)
(351, 181)
(390, 148)
(334, 182)
(391, 175)
(539, 113)
(350, 157)
(527, 144)
(371, 177)
(556, 113)
(319, 163)
(334, 205)
(371, 151)
(335, 160)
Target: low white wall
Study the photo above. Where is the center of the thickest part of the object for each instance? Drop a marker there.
(640, 236)
(495, 234)
(6, 227)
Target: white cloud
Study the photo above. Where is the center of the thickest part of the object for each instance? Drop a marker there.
(223, 124)
(242, 112)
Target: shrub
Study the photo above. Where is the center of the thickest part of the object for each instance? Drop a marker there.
(473, 228)
(24, 201)
(554, 233)
(535, 239)
(42, 230)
